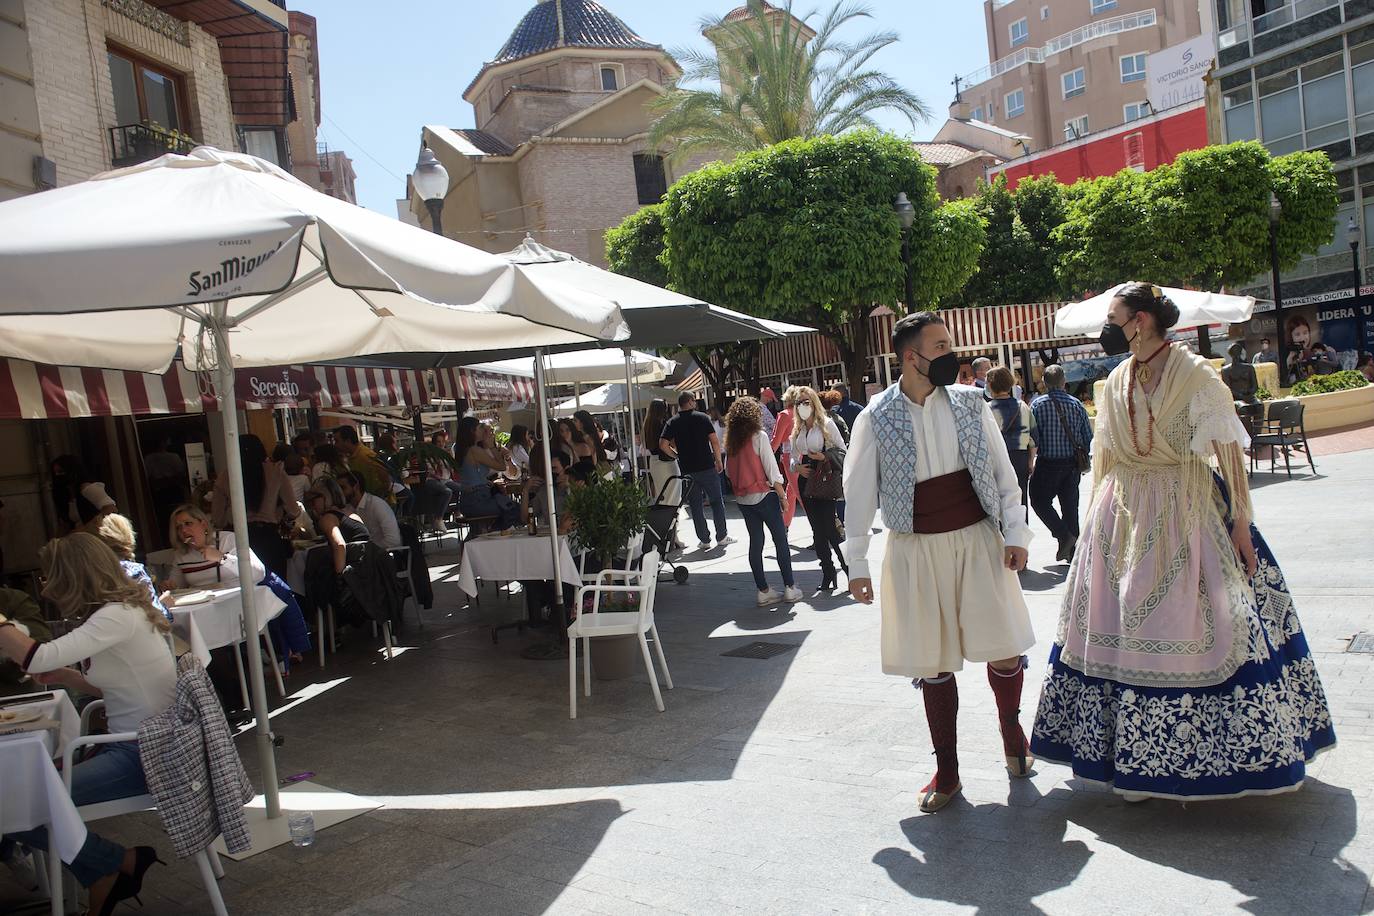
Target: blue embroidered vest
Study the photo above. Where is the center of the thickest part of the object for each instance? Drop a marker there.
(896, 443)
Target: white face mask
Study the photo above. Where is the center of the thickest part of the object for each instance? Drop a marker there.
(804, 411)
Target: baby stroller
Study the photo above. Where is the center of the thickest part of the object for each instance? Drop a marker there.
(661, 531)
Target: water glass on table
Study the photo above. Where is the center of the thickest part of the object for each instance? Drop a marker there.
(302, 826)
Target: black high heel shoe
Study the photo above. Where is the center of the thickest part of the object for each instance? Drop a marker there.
(131, 885)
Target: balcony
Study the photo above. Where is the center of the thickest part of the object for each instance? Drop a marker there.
(1142, 20)
(1117, 24)
(131, 144)
(998, 67)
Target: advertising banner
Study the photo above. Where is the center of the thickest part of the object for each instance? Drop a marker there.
(1173, 76)
(1320, 337)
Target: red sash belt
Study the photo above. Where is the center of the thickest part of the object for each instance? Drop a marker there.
(946, 503)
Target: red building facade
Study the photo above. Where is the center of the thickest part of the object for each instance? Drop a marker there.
(1141, 144)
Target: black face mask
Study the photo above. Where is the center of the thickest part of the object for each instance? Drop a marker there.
(942, 370)
(1113, 339)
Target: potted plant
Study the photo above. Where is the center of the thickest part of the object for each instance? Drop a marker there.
(607, 513)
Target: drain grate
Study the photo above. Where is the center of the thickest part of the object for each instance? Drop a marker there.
(1361, 642)
(760, 650)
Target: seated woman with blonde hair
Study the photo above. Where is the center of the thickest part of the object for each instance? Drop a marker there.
(123, 652)
(117, 532)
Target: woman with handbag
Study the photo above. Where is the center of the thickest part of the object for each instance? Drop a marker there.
(818, 458)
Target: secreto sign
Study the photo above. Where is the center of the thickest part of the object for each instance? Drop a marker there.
(275, 386)
(1174, 76)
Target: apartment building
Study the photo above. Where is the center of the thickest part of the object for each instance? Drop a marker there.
(1299, 75)
(94, 84)
(1062, 69)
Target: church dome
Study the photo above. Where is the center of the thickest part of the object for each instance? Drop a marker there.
(568, 24)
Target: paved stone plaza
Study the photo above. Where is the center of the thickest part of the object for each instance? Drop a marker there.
(785, 785)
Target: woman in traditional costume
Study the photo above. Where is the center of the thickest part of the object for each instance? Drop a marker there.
(1180, 669)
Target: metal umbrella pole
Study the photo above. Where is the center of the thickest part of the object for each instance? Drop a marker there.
(550, 503)
(224, 387)
(630, 402)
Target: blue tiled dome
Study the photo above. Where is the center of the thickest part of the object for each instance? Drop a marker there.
(586, 24)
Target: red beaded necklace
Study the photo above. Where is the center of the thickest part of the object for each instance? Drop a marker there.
(1140, 372)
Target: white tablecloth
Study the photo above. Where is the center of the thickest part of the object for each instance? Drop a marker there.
(295, 568)
(513, 558)
(219, 621)
(31, 790)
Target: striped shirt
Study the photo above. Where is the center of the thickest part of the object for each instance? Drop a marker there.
(1049, 434)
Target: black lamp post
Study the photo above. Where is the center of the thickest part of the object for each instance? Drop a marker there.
(906, 215)
(1275, 212)
(1352, 235)
(430, 181)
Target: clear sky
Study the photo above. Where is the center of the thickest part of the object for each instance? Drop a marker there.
(387, 69)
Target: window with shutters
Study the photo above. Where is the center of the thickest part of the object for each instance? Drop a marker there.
(651, 183)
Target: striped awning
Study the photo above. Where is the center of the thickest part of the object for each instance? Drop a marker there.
(975, 330)
(694, 382)
(33, 391)
(478, 385)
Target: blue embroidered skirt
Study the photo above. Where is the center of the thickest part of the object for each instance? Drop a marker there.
(1252, 734)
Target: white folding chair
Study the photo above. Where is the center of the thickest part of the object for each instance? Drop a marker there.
(207, 860)
(593, 622)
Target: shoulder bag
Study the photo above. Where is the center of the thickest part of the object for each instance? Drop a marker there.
(1080, 454)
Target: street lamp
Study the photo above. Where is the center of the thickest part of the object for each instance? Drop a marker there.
(1275, 212)
(1352, 235)
(906, 215)
(430, 181)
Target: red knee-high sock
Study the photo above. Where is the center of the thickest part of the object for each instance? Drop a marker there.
(941, 695)
(1006, 687)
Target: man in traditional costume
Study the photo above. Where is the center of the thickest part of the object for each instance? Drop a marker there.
(1180, 669)
(930, 455)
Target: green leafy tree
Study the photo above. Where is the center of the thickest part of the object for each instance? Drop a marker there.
(1200, 221)
(1017, 263)
(635, 247)
(772, 79)
(805, 231)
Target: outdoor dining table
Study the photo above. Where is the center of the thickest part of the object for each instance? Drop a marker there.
(32, 793)
(217, 621)
(512, 558)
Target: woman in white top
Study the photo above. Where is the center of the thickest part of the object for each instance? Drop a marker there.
(520, 444)
(124, 657)
(206, 558)
(758, 486)
(812, 433)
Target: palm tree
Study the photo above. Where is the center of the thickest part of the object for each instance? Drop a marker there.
(778, 80)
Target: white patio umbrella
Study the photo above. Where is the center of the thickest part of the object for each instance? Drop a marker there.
(244, 265)
(1195, 308)
(587, 367)
(611, 398)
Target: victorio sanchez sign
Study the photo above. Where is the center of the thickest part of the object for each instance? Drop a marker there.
(1175, 75)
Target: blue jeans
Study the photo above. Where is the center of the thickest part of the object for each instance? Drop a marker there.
(706, 485)
(767, 513)
(115, 772)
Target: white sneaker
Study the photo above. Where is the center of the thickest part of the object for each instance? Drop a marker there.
(792, 593)
(725, 541)
(703, 545)
(769, 596)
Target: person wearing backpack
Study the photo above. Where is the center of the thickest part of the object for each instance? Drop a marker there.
(758, 485)
(1017, 423)
(1064, 439)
